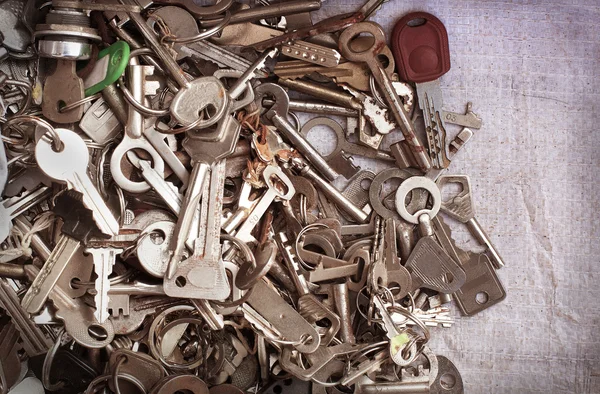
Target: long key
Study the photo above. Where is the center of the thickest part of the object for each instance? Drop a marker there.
(204, 152)
(460, 207)
(369, 57)
(104, 260)
(425, 68)
(271, 175)
(70, 166)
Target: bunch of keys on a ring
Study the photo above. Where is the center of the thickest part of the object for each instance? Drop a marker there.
(169, 228)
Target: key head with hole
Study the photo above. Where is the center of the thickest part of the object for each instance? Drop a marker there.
(420, 46)
(62, 88)
(366, 54)
(278, 94)
(74, 157)
(201, 93)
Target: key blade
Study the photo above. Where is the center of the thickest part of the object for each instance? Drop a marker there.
(91, 199)
(104, 260)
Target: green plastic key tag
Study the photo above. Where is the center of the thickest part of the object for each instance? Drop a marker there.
(109, 67)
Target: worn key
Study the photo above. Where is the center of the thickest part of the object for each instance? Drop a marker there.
(104, 260)
(369, 56)
(70, 166)
(425, 68)
(460, 207)
(77, 227)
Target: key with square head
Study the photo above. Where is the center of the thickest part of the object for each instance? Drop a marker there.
(62, 88)
(420, 45)
(388, 91)
(460, 207)
(104, 260)
(70, 166)
(429, 264)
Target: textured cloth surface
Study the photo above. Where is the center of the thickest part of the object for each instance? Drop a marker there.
(531, 69)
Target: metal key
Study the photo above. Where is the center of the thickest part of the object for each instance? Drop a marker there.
(70, 166)
(63, 87)
(104, 260)
(275, 180)
(425, 68)
(193, 96)
(383, 81)
(460, 207)
(166, 190)
(278, 115)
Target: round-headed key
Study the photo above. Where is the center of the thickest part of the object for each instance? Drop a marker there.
(369, 56)
(70, 166)
(420, 47)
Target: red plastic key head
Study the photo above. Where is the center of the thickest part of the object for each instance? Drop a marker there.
(420, 47)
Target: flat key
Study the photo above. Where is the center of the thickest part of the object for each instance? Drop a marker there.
(166, 190)
(279, 187)
(104, 260)
(369, 57)
(460, 207)
(70, 166)
(37, 294)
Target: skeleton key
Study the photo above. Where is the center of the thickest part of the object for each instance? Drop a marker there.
(140, 88)
(166, 190)
(275, 180)
(104, 260)
(70, 166)
(203, 274)
(61, 88)
(460, 207)
(369, 56)
(425, 68)
(76, 228)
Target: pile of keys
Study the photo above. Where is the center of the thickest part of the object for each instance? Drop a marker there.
(169, 225)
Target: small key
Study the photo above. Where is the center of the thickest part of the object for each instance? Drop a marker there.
(166, 190)
(279, 187)
(469, 119)
(384, 82)
(460, 207)
(398, 341)
(70, 166)
(104, 260)
(425, 68)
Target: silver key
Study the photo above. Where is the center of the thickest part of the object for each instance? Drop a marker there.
(431, 102)
(104, 260)
(70, 166)
(100, 123)
(397, 340)
(202, 275)
(166, 190)
(470, 119)
(271, 174)
(460, 207)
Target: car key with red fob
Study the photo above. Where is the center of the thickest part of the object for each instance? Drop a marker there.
(420, 47)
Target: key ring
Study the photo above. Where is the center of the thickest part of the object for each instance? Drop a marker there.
(51, 133)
